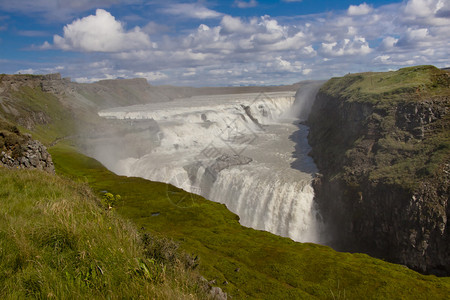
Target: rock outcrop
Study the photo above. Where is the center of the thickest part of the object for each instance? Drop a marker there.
(20, 151)
(52, 83)
(384, 154)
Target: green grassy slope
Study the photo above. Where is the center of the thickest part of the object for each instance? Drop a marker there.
(412, 83)
(248, 263)
(57, 242)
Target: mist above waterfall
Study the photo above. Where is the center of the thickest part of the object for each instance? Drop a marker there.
(304, 99)
(233, 149)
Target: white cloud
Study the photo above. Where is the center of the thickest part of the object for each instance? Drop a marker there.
(44, 70)
(245, 4)
(431, 12)
(358, 10)
(415, 38)
(281, 65)
(230, 24)
(192, 10)
(100, 33)
(309, 51)
(422, 8)
(357, 46)
(151, 76)
(27, 71)
(388, 43)
(384, 59)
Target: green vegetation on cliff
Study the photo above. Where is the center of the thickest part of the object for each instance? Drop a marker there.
(399, 122)
(407, 84)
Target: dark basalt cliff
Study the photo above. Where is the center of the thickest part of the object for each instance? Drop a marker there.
(382, 144)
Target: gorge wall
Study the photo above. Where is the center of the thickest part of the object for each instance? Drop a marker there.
(381, 142)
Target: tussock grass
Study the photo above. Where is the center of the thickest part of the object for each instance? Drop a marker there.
(56, 241)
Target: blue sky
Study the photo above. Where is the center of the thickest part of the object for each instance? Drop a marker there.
(220, 43)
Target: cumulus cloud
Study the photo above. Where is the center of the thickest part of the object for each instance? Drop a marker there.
(230, 25)
(430, 12)
(151, 76)
(100, 33)
(388, 43)
(415, 38)
(192, 10)
(422, 8)
(358, 10)
(280, 64)
(356, 46)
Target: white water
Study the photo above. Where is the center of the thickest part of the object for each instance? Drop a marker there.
(267, 193)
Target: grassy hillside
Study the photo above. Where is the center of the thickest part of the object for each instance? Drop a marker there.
(57, 241)
(412, 83)
(248, 263)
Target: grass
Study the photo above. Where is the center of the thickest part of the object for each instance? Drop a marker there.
(10, 139)
(248, 263)
(49, 119)
(56, 241)
(375, 87)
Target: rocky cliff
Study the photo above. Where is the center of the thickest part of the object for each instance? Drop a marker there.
(382, 144)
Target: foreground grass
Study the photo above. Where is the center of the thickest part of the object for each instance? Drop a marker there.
(56, 241)
(248, 263)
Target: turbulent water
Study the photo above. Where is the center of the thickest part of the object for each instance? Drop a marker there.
(247, 151)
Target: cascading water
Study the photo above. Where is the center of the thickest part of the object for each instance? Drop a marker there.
(237, 150)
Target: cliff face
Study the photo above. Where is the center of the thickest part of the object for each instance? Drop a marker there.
(382, 144)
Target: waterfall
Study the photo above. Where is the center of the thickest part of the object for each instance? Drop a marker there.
(271, 203)
(236, 150)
